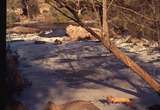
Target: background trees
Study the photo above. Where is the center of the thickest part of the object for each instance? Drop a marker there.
(140, 18)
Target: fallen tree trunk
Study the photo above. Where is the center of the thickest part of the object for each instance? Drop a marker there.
(112, 47)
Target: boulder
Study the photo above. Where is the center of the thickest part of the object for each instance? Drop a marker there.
(79, 33)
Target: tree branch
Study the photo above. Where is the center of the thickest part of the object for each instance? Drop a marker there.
(142, 26)
(141, 15)
(62, 12)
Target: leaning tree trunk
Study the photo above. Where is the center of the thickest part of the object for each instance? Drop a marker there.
(126, 60)
(120, 55)
(112, 47)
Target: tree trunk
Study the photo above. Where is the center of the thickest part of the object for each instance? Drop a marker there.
(120, 55)
(105, 27)
(126, 60)
(117, 52)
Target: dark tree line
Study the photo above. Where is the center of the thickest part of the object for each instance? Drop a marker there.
(30, 8)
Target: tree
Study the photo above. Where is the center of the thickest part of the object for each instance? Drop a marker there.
(105, 28)
(106, 42)
(30, 8)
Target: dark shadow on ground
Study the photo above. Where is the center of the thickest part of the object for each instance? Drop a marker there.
(97, 67)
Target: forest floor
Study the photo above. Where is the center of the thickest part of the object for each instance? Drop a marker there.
(82, 70)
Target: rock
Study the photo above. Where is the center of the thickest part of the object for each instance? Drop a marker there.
(39, 42)
(79, 33)
(74, 105)
(57, 42)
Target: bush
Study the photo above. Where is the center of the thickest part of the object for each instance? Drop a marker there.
(12, 18)
(12, 4)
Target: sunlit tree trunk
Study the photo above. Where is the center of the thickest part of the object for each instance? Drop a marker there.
(105, 28)
(120, 55)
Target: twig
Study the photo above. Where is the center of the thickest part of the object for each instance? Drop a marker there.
(141, 15)
(110, 4)
(97, 15)
(62, 12)
(142, 26)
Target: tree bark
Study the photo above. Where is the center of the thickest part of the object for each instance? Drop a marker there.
(105, 27)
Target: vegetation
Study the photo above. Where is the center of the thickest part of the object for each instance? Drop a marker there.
(140, 18)
(11, 18)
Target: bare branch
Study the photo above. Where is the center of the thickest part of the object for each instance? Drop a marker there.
(141, 15)
(62, 12)
(131, 21)
(110, 4)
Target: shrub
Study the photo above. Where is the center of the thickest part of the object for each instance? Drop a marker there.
(12, 18)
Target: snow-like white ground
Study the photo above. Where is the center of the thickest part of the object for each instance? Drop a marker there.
(82, 70)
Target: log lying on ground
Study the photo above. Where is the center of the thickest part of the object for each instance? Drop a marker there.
(23, 29)
(119, 100)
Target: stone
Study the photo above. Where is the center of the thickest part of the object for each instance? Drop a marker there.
(79, 33)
